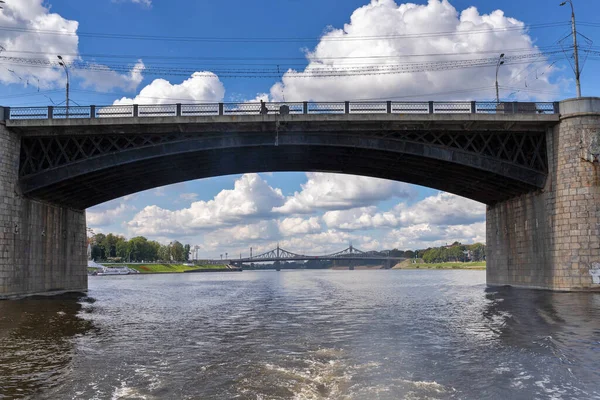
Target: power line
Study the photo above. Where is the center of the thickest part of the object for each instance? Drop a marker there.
(346, 37)
(407, 67)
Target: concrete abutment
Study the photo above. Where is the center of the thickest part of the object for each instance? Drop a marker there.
(550, 239)
(42, 246)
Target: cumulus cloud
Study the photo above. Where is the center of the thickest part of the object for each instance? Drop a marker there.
(422, 236)
(200, 87)
(105, 79)
(299, 226)
(398, 32)
(251, 197)
(324, 191)
(443, 209)
(25, 16)
(101, 218)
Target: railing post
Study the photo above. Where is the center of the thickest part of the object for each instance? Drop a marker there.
(136, 110)
(6, 113)
(178, 109)
(473, 107)
(431, 107)
(347, 107)
(389, 107)
(221, 108)
(556, 107)
(92, 111)
(50, 112)
(515, 107)
(305, 107)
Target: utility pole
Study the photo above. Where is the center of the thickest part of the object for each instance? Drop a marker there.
(500, 62)
(64, 65)
(574, 32)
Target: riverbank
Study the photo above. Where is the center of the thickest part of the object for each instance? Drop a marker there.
(410, 264)
(169, 268)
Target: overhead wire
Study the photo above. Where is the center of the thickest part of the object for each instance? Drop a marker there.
(214, 39)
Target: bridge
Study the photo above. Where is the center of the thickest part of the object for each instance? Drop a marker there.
(534, 164)
(350, 254)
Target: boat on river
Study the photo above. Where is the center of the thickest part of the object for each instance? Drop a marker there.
(114, 271)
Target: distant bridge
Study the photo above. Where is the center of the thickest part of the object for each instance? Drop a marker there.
(278, 255)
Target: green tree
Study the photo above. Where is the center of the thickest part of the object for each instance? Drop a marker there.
(477, 252)
(177, 251)
(186, 252)
(164, 253)
(124, 249)
(455, 253)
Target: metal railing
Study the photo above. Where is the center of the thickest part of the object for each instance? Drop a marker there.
(295, 108)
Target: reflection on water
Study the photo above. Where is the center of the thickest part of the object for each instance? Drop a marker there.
(35, 342)
(302, 335)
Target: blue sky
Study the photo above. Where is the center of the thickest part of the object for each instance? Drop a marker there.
(402, 216)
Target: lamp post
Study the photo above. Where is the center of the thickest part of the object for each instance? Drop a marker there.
(500, 62)
(574, 29)
(64, 65)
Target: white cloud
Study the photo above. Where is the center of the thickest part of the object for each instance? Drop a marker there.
(147, 3)
(200, 87)
(102, 218)
(188, 196)
(105, 79)
(422, 236)
(389, 22)
(443, 209)
(251, 197)
(299, 226)
(25, 16)
(360, 218)
(336, 191)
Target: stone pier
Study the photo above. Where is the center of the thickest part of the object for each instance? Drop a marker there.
(550, 239)
(42, 246)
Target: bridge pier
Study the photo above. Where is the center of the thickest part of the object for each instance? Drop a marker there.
(42, 245)
(550, 239)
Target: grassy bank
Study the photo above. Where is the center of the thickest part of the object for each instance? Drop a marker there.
(166, 268)
(408, 264)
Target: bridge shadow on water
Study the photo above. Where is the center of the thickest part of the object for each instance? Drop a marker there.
(36, 342)
(560, 325)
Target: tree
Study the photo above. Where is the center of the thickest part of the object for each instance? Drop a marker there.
(98, 252)
(477, 251)
(186, 252)
(124, 249)
(177, 251)
(164, 253)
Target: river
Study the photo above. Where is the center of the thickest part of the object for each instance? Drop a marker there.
(301, 335)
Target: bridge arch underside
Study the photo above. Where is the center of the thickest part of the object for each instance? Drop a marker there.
(80, 171)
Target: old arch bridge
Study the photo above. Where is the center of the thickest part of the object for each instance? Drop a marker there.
(58, 162)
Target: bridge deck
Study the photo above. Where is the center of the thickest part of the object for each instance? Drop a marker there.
(348, 122)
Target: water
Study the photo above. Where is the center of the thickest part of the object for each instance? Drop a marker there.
(302, 335)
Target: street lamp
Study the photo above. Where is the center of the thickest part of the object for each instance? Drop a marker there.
(64, 65)
(574, 31)
(500, 62)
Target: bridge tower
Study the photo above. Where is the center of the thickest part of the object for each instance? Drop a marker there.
(42, 245)
(550, 239)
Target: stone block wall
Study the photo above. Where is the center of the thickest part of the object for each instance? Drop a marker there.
(551, 239)
(42, 246)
